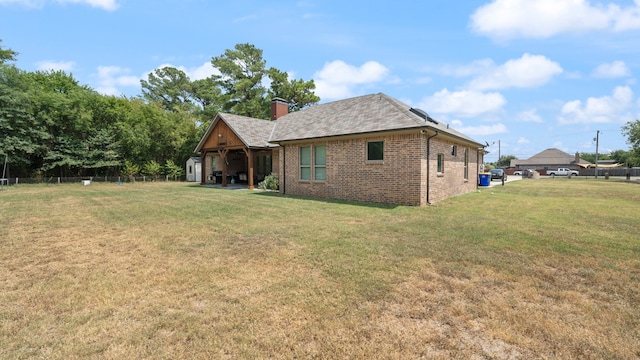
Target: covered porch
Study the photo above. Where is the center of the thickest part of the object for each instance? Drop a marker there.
(236, 166)
(235, 150)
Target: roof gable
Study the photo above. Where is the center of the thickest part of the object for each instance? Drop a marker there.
(253, 133)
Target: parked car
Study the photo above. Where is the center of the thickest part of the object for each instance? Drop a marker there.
(562, 172)
(498, 174)
(523, 172)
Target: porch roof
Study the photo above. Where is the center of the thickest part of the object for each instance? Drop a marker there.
(254, 133)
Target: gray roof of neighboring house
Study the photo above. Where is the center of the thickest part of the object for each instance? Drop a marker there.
(548, 157)
(358, 115)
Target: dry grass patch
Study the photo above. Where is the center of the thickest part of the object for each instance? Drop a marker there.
(164, 270)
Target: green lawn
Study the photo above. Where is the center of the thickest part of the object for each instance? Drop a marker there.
(545, 268)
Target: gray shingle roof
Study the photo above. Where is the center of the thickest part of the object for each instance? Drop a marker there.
(549, 156)
(358, 115)
(253, 132)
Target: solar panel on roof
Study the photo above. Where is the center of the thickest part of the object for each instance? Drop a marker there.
(423, 114)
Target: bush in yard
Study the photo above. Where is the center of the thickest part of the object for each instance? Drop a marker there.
(172, 170)
(270, 182)
(152, 168)
(130, 170)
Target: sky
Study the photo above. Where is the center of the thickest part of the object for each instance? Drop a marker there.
(520, 75)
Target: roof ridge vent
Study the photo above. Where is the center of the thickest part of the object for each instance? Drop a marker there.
(423, 114)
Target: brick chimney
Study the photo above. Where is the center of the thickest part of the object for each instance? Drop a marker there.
(279, 108)
(577, 159)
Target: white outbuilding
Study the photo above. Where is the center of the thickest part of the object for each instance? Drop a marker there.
(193, 169)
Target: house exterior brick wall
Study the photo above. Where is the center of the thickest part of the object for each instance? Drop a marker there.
(451, 182)
(401, 178)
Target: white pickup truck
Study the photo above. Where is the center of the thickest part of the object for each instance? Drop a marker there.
(562, 172)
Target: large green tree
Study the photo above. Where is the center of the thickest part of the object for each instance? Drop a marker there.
(53, 126)
(505, 161)
(632, 131)
(22, 134)
(241, 72)
(298, 93)
(169, 86)
(7, 54)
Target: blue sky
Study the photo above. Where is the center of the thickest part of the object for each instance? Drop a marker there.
(526, 74)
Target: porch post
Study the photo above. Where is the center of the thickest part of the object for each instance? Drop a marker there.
(250, 166)
(203, 168)
(223, 156)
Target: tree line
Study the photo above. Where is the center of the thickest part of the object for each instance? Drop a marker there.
(50, 125)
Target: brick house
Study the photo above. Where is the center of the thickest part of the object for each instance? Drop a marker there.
(370, 148)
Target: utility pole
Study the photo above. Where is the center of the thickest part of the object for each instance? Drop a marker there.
(499, 157)
(597, 140)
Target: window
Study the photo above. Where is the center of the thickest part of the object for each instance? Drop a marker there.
(305, 163)
(466, 164)
(316, 155)
(454, 150)
(375, 150)
(320, 163)
(263, 166)
(440, 163)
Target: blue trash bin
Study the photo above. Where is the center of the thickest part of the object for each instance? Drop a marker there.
(485, 179)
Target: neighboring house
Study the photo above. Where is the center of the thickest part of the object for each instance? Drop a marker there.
(549, 159)
(193, 168)
(369, 148)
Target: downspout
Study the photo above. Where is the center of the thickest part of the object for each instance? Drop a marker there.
(478, 168)
(284, 169)
(428, 164)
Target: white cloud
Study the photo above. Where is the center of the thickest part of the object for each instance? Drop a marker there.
(110, 77)
(628, 19)
(525, 72)
(506, 19)
(522, 140)
(475, 68)
(196, 73)
(615, 69)
(529, 116)
(480, 130)
(27, 3)
(109, 5)
(463, 103)
(338, 79)
(604, 109)
(66, 66)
